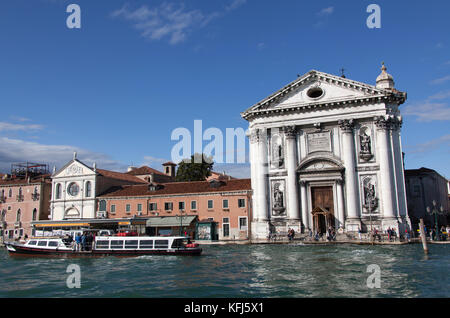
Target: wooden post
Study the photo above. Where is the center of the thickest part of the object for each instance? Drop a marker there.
(423, 237)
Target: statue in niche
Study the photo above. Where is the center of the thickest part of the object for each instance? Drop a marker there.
(277, 153)
(370, 199)
(278, 199)
(365, 146)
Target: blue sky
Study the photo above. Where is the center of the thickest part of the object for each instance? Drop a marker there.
(115, 89)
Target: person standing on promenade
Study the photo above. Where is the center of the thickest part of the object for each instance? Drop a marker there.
(77, 242)
(83, 242)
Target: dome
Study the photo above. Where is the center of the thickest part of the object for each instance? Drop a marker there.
(385, 80)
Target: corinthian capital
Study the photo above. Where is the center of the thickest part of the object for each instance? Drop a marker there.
(384, 123)
(346, 125)
(290, 132)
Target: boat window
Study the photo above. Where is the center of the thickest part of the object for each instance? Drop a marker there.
(102, 244)
(32, 242)
(146, 244)
(117, 244)
(53, 243)
(42, 243)
(131, 244)
(177, 243)
(161, 243)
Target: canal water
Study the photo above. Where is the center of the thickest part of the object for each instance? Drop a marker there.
(250, 271)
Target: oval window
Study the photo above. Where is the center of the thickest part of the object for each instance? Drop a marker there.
(315, 92)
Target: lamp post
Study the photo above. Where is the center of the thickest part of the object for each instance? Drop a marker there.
(435, 211)
(181, 220)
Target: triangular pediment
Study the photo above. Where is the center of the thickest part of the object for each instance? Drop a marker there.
(316, 88)
(74, 168)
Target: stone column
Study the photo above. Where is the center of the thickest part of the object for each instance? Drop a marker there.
(262, 185)
(304, 200)
(253, 137)
(340, 203)
(351, 182)
(292, 189)
(386, 167)
(398, 164)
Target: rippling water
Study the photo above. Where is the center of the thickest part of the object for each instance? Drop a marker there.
(239, 271)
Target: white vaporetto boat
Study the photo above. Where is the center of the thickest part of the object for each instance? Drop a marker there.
(105, 246)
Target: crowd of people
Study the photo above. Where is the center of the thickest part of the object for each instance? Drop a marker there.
(82, 242)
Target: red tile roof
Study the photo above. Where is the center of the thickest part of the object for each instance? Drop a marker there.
(180, 188)
(143, 171)
(120, 176)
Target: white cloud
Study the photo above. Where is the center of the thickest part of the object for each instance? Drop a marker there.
(15, 150)
(427, 111)
(4, 126)
(440, 80)
(171, 21)
(441, 95)
(326, 11)
(441, 142)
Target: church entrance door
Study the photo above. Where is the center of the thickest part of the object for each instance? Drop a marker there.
(322, 208)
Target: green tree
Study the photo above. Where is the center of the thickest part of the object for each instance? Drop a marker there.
(197, 168)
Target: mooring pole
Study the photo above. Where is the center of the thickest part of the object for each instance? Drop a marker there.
(423, 237)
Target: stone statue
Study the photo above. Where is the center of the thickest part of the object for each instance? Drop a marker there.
(365, 146)
(277, 153)
(278, 200)
(369, 196)
(365, 143)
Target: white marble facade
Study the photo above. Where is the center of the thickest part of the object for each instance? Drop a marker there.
(331, 134)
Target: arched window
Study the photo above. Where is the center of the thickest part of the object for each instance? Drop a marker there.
(20, 192)
(58, 191)
(3, 214)
(10, 193)
(19, 214)
(102, 205)
(88, 189)
(34, 214)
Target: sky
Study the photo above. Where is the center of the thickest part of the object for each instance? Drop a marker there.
(115, 89)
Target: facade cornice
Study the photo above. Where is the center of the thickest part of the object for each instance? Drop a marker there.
(373, 94)
(329, 104)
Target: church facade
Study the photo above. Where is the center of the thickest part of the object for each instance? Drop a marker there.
(325, 151)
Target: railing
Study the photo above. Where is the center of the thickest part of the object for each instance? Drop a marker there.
(19, 197)
(35, 196)
(2, 198)
(102, 214)
(17, 224)
(3, 225)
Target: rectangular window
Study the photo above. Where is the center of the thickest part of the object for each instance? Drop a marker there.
(32, 243)
(117, 244)
(168, 206)
(139, 207)
(42, 243)
(52, 243)
(161, 243)
(102, 244)
(152, 207)
(181, 206)
(241, 203)
(146, 244)
(193, 205)
(113, 208)
(226, 229)
(225, 204)
(128, 208)
(226, 220)
(131, 244)
(210, 204)
(242, 224)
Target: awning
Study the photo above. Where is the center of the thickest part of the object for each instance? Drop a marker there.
(168, 221)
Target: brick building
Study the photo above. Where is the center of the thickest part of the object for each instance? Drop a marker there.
(24, 198)
(226, 203)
